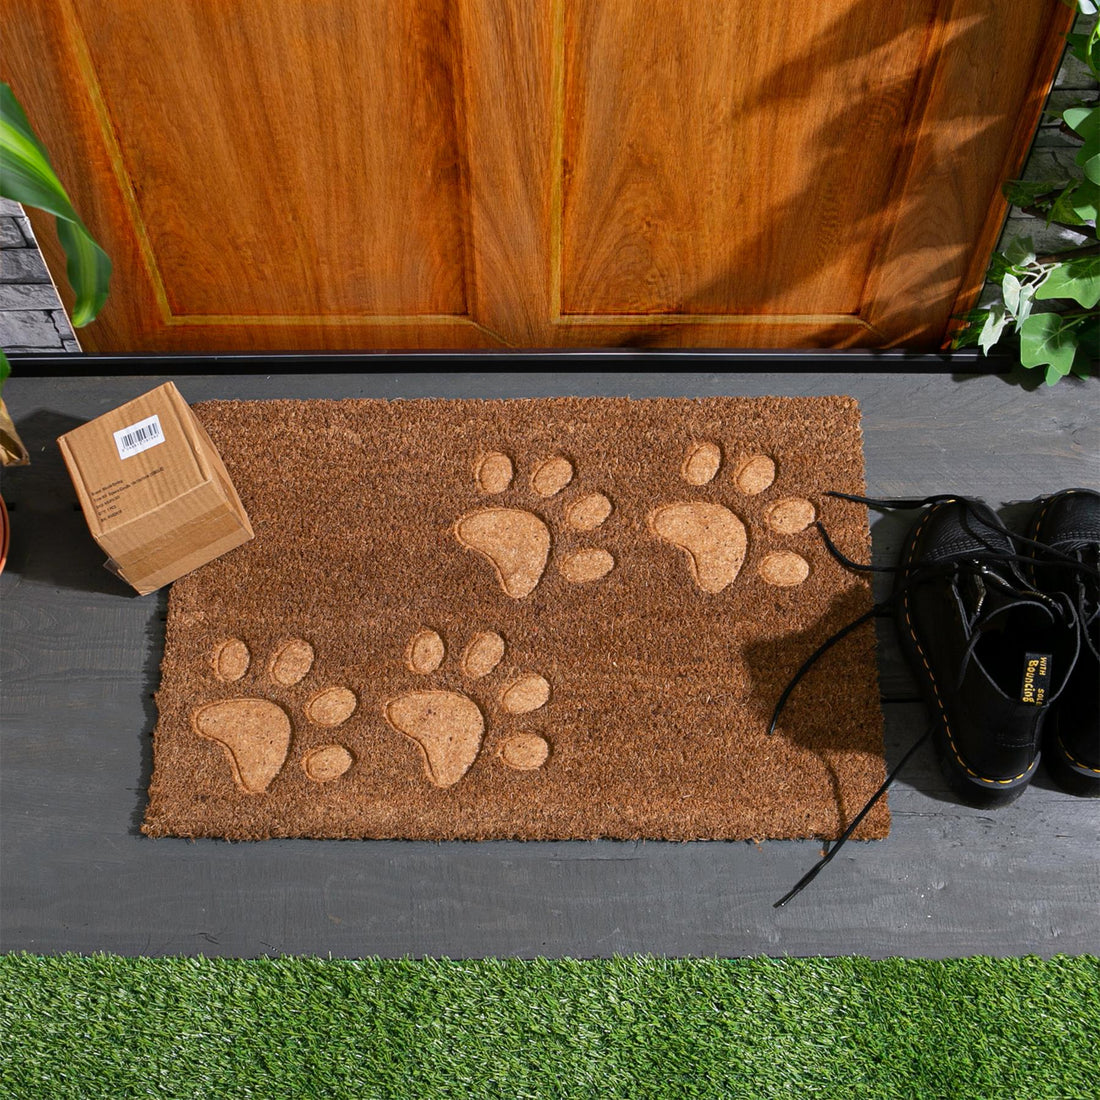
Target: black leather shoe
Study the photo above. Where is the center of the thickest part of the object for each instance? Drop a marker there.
(991, 652)
(1067, 525)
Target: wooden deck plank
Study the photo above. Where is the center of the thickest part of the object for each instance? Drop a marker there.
(80, 658)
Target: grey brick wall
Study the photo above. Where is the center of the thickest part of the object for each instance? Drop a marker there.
(33, 319)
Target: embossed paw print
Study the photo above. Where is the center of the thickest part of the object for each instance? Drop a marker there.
(448, 726)
(714, 539)
(517, 543)
(255, 731)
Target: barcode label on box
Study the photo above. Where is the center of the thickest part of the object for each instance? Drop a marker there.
(139, 437)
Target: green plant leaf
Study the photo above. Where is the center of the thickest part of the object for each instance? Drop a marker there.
(27, 168)
(1064, 208)
(1020, 251)
(88, 269)
(5, 369)
(1048, 338)
(998, 267)
(966, 335)
(1030, 192)
(1023, 307)
(27, 176)
(1085, 201)
(994, 325)
(1087, 360)
(1076, 279)
(1010, 291)
(1085, 121)
(1086, 48)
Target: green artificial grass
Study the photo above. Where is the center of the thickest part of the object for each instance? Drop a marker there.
(106, 1026)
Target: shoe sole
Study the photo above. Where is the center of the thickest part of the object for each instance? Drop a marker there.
(1071, 775)
(972, 788)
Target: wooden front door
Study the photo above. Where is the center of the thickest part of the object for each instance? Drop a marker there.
(359, 174)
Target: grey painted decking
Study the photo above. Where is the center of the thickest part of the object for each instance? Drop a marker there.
(80, 658)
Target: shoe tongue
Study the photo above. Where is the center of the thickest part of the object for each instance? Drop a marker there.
(1002, 607)
(1035, 678)
(985, 593)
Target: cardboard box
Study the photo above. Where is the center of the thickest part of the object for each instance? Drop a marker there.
(154, 490)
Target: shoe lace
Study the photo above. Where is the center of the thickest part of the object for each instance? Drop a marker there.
(1058, 606)
(828, 857)
(1088, 604)
(956, 569)
(1085, 563)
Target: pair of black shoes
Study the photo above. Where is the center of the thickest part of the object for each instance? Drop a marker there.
(1003, 633)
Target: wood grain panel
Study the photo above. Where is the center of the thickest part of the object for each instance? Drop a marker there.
(984, 99)
(507, 57)
(326, 183)
(338, 234)
(741, 170)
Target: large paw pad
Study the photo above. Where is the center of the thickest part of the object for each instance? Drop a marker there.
(256, 732)
(517, 542)
(448, 726)
(714, 539)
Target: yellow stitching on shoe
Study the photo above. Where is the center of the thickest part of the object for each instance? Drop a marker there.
(935, 687)
(1034, 532)
(1073, 759)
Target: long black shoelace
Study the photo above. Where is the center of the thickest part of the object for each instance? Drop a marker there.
(1086, 596)
(976, 525)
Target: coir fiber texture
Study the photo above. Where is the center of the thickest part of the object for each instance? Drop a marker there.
(564, 618)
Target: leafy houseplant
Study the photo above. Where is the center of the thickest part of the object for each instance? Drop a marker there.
(27, 176)
(1049, 301)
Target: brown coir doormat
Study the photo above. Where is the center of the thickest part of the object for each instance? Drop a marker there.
(540, 619)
